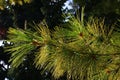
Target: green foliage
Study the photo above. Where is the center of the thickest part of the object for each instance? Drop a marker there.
(13, 2)
(2, 4)
(108, 9)
(83, 52)
(81, 2)
(105, 7)
(21, 47)
(19, 1)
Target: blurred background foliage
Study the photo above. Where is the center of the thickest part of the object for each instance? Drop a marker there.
(24, 13)
(13, 2)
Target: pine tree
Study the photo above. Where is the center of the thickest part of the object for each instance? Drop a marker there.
(81, 52)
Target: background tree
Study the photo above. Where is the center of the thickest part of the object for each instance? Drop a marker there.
(52, 9)
(108, 9)
(16, 13)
